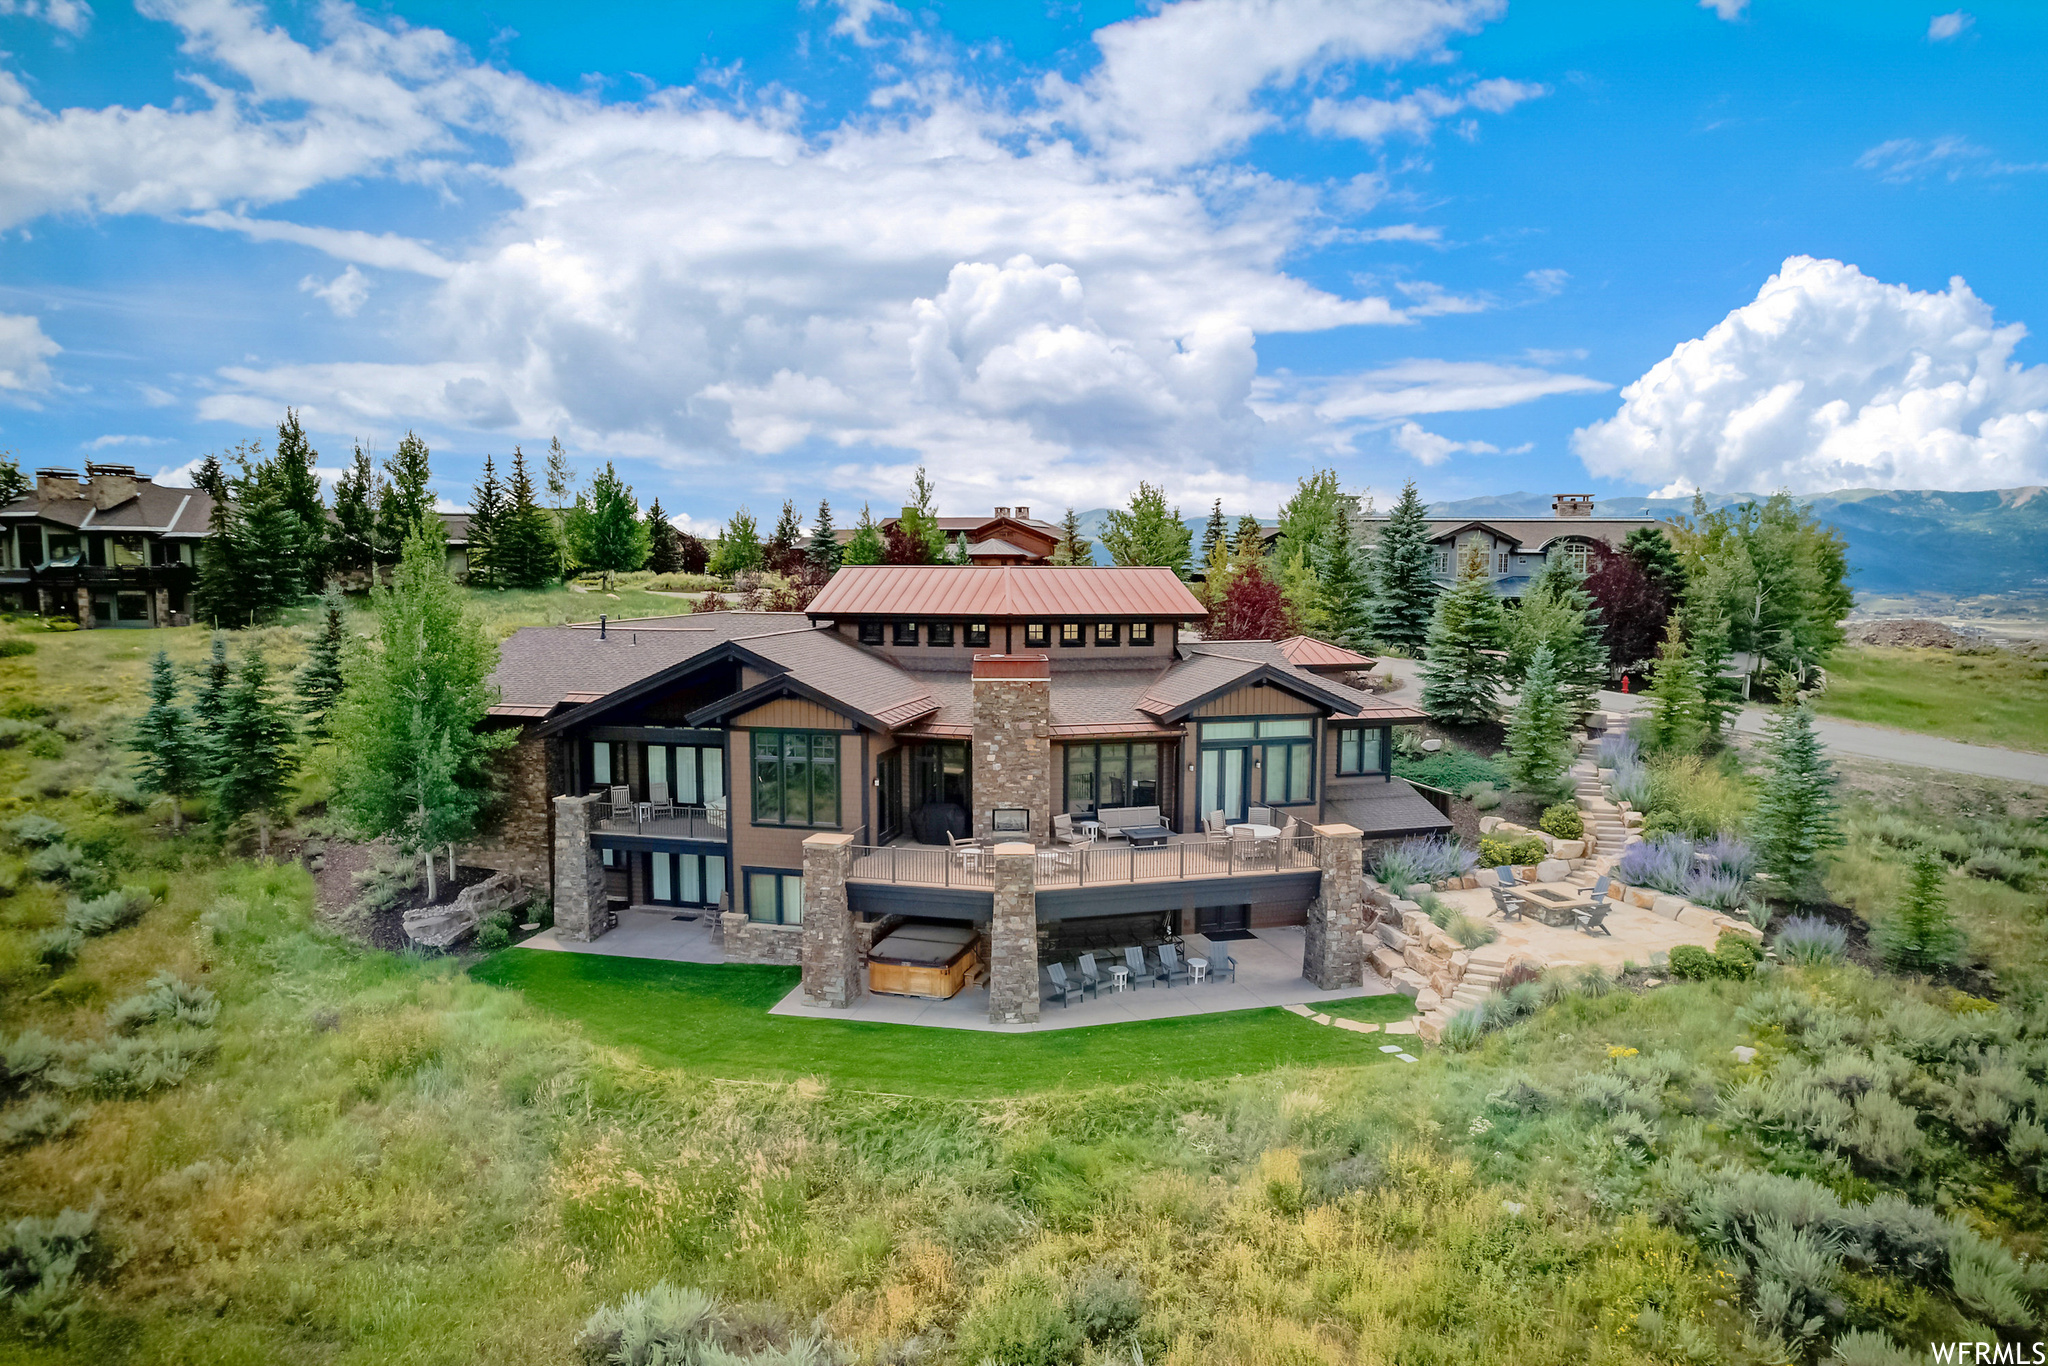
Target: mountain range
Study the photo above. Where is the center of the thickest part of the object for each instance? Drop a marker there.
(1903, 543)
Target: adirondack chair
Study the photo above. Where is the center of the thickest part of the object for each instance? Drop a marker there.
(1594, 917)
(1505, 906)
(1171, 969)
(1600, 887)
(1061, 987)
(1221, 964)
(1091, 980)
(1135, 958)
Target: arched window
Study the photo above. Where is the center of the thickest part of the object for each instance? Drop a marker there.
(1577, 554)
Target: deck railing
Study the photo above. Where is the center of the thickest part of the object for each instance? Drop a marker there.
(686, 823)
(1089, 865)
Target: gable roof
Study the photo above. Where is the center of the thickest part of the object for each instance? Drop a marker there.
(998, 591)
(1306, 652)
(164, 509)
(1215, 667)
(546, 666)
(826, 668)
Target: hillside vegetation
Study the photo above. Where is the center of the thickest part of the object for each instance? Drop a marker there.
(1985, 697)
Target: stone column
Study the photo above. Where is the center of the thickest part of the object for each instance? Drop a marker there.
(85, 621)
(1332, 956)
(161, 602)
(1013, 740)
(1013, 937)
(580, 908)
(833, 960)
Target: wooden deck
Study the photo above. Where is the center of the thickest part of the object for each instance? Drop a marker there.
(1182, 858)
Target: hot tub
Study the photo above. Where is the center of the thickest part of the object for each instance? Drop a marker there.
(922, 960)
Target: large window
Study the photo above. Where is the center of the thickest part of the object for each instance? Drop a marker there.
(1358, 751)
(1289, 761)
(775, 898)
(127, 552)
(1577, 554)
(695, 774)
(939, 633)
(796, 777)
(607, 763)
(939, 773)
(1100, 776)
(686, 879)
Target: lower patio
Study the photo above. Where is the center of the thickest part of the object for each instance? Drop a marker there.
(1636, 934)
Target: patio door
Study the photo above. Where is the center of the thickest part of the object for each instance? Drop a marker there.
(889, 785)
(1222, 919)
(686, 879)
(1225, 775)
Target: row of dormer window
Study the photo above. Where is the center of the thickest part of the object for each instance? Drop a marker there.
(1038, 635)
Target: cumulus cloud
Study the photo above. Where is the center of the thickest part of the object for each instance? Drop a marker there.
(344, 294)
(71, 16)
(1943, 27)
(1412, 439)
(24, 356)
(1831, 379)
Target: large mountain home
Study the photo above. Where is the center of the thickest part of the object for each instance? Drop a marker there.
(112, 550)
(1515, 549)
(1030, 754)
(1011, 535)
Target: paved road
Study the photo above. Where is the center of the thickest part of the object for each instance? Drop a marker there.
(1843, 737)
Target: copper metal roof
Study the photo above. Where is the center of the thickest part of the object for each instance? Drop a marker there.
(999, 592)
(1306, 652)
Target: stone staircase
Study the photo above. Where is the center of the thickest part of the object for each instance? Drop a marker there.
(1606, 831)
(1481, 973)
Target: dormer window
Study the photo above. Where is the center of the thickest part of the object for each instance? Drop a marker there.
(871, 633)
(1141, 633)
(1037, 635)
(905, 633)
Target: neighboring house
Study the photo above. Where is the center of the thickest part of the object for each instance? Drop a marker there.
(913, 707)
(1008, 536)
(1515, 549)
(112, 550)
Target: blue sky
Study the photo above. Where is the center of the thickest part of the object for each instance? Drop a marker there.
(759, 250)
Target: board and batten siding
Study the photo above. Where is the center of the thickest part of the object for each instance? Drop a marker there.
(770, 846)
(791, 713)
(1256, 702)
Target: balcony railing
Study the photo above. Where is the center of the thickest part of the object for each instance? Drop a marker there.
(676, 823)
(1096, 865)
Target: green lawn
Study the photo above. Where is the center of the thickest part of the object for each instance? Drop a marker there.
(712, 1018)
(1986, 699)
(1370, 1009)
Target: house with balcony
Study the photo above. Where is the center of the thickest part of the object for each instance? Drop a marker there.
(112, 549)
(1009, 535)
(1515, 549)
(1035, 756)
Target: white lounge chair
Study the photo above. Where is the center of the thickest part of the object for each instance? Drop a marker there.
(658, 800)
(622, 803)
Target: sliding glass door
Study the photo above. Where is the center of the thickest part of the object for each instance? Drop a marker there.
(686, 879)
(1225, 778)
(695, 774)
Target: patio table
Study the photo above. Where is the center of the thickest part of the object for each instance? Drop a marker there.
(1141, 836)
(1119, 977)
(1198, 971)
(1259, 832)
(1552, 908)
(643, 812)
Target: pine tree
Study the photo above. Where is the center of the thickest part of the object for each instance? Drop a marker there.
(218, 592)
(1795, 821)
(1461, 675)
(866, 546)
(1249, 545)
(783, 554)
(407, 499)
(823, 552)
(1557, 611)
(562, 496)
(210, 705)
(14, 485)
(664, 545)
(319, 679)
(1676, 716)
(1147, 533)
(211, 478)
(1539, 733)
(1649, 547)
(739, 546)
(605, 533)
(1404, 575)
(269, 575)
(166, 746)
(356, 495)
(1720, 695)
(526, 553)
(412, 756)
(1343, 607)
(255, 767)
(1216, 534)
(298, 490)
(1072, 548)
(487, 507)
(1922, 934)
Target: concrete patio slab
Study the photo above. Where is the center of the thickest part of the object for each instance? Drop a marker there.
(1637, 933)
(644, 933)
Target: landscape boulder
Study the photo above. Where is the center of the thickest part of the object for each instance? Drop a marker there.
(444, 927)
(1553, 870)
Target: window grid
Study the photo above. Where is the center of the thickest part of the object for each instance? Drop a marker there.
(939, 633)
(796, 778)
(1105, 633)
(1141, 633)
(977, 635)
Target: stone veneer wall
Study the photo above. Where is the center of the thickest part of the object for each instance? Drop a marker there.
(835, 963)
(1013, 751)
(521, 842)
(1333, 955)
(581, 910)
(1013, 937)
(747, 941)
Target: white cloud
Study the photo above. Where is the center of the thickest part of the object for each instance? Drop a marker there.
(1417, 113)
(101, 443)
(1903, 160)
(386, 250)
(1730, 10)
(1942, 27)
(856, 15)
(344, 294)
(1410, 388)
(1403, 232)
(72, 16)
(1430, 449)
(24, 355)
(1831, 379)
(1547, 283)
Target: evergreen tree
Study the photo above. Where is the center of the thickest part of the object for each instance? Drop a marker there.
(664, 545)
(268, 573)
(211, 478)
(1922, 934)
(916, 537)
(1649, 547)
(823, 552)
(1147, 533)
(298, 491)
(14, 485)
(1706, 631)
(1072, 547)
(210, 705)
(413, 759)
(1343, 604)
(866, 546)
(218, 592)
(406, 498)
(254, 769)
(525, 553)
(1539, 733)
(1795, 821)
(1677, 721)
(1216, 534)
(1557, 611)
(1249, 546)
(319, 679)
(1404, 575)
(1461, 675)
(166, 746)
(487, 507)
(784, 553)
(605, 531)
(562, 497)
(739, 546)
(356, 495)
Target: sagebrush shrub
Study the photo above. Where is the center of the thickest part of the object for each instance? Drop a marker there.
(44, 1265)
(165, 999)
(34, 831)
(105, 914)
(1810, 941)
(37, 1120)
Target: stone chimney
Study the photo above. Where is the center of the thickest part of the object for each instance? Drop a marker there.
(1023, 513)
(1002, 512)
(1013, 743)
(1572, 505)
(58, 483)
(109, 486)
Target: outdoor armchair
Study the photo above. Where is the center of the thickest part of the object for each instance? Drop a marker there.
(1221, 964)
(1505, 906)
(1061, 987)
(1259, 815)
(1135, 958)
(658, 800)
(622, 803)
(1594, 917)
(1091, 980)
(1171, 969)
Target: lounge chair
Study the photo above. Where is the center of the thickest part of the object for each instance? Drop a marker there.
(1505, 906)
(1135, 958)
(659, 800)
(965, 852)
(1063, 830)
(1221, 964)
(1091, 980)
(1594, 917)
(1171, 969)
(1061, 987)
(622, 803)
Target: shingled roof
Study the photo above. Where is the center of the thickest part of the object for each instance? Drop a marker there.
(540, 666)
